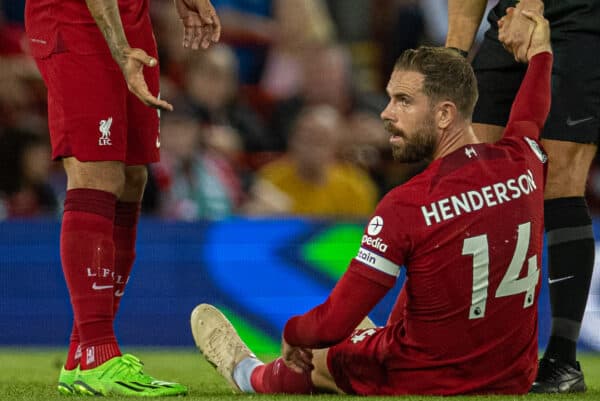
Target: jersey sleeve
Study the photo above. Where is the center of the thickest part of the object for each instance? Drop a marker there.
(532, 103)
(369, 277)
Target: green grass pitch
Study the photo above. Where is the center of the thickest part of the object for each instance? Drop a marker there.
(30, 374)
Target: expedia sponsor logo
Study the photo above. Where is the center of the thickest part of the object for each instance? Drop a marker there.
(376, 243)
(375, 225)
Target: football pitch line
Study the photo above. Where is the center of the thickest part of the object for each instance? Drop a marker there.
(31, 373)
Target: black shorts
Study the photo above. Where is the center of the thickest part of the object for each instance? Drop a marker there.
(575, 111)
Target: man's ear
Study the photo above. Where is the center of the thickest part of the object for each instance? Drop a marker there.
(446, 113)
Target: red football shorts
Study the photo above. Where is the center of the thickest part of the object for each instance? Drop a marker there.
(357, 364)
(374, 362)
(92, 116)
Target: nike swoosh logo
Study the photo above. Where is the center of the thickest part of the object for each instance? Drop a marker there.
(119, 293)
(558, 280)
(157, 142)
(101, 287)
(571, 123)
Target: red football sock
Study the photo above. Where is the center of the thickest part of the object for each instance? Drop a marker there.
(74, 353)
(277, 378)
(87, 252)
(126, 218)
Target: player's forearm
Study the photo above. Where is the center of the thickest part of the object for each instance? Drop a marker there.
(464, 18)
(107, 17)
(351, 300)
(532, 102)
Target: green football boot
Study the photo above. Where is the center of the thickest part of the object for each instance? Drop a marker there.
(65, 381)
(123, 375)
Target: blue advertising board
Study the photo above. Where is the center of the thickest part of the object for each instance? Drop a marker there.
(260, 271)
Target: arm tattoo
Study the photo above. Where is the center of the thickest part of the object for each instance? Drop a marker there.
(107, 17)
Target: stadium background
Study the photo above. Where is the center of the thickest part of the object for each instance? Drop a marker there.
(260, 270)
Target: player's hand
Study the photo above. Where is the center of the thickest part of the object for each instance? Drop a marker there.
(515, 31)
(132, 66)
(201, 24)
(540, 38)
(296, 358)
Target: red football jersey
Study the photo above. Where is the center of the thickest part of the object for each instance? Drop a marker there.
(67, 25)
(469, 231)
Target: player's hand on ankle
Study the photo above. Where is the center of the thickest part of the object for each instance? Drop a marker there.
(296, 358)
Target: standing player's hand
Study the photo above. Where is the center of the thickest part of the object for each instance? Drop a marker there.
(514, 32)
(296, 358)
(132, 65)
(201, 25)
(540, 38)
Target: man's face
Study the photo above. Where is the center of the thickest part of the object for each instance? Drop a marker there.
(409, 118)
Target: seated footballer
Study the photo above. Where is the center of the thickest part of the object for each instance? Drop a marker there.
(468, 230)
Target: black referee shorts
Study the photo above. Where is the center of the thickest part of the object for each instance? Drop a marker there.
(575, 111)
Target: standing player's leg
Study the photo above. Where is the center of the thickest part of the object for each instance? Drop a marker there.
(87, 252)
(89, 132)
(571, 252)
(143, 145)
(569, 137)
(127, 215)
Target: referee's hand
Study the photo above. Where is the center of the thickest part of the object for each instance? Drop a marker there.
(514, 32)
(524, 33)
(133, 70)
(540, 38)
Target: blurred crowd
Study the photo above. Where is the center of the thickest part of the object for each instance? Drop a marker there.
(281, 118)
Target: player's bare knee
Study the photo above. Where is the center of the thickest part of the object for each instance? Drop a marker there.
(135, 182)
(568, 167)
(106, 176)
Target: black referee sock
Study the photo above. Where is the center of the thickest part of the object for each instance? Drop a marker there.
(571, 251)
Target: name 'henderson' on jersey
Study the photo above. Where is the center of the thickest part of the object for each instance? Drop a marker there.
(473, 200)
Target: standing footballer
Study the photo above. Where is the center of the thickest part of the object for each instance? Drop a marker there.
(98, 60)
(469, 231)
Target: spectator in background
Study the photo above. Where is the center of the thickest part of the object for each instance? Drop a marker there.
(397, 25)
(250, 27)
(366, 145)
(302, 27)
(212, 89)
(24, 167)
(326, 80)
(309, 180)
(20, 80)
(195, 180)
